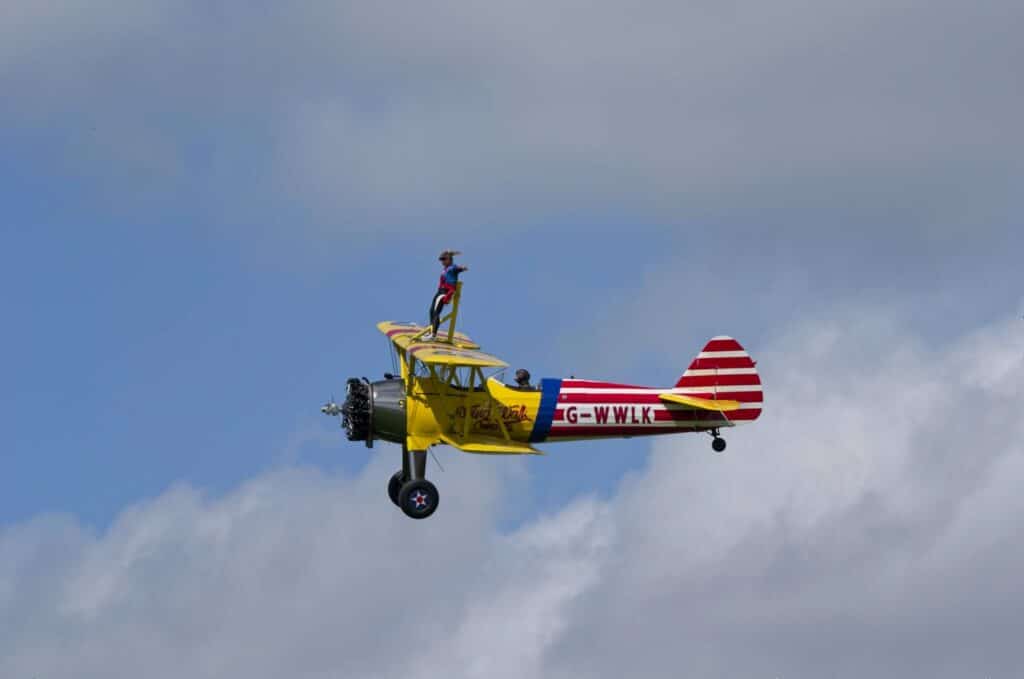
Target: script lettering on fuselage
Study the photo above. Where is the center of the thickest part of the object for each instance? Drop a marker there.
(619, 414)
(483, 415)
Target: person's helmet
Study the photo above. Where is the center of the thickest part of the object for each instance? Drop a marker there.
(522, 376)
(448, 253)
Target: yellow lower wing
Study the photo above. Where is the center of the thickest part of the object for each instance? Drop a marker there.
(488, 445)
(718, 406)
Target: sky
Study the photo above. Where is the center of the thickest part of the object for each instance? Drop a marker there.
(205, 208)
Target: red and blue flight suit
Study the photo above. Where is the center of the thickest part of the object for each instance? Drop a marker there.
(446, 287)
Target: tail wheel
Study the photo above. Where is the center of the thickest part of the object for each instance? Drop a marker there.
(418, 499)
(398, 479)
(718, 444)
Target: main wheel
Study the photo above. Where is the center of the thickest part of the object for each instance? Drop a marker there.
(418, 499)
(395, 484)
(718, 444)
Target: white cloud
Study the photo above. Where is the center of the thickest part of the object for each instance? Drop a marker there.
(866, 526)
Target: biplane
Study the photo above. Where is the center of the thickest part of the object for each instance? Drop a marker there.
(444, 394)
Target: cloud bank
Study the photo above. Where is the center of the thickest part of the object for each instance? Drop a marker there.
(356, 120)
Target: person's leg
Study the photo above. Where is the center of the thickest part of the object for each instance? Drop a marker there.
(435, 311)
(430, 311)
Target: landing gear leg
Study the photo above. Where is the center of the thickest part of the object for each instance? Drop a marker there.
(419, 459)
(717, 442)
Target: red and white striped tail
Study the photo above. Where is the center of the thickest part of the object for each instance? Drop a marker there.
(724, 370)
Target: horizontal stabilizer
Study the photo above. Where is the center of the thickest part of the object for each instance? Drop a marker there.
(489, 445)
(716, 405)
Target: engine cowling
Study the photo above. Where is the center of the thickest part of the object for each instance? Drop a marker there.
(374, 410)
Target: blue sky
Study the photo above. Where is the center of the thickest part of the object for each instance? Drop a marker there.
(205, 212)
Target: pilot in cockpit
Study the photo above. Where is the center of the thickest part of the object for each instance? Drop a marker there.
(523, 379)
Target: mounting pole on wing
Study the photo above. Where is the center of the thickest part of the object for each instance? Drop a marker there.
(454, 315)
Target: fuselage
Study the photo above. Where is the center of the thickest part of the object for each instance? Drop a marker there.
(569, 409)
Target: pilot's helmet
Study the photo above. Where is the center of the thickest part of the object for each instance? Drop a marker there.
(522, 376)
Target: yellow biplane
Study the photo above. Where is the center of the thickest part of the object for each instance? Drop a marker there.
(443, 395)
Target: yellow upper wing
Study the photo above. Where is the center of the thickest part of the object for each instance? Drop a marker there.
(460, 351)
(402, 333)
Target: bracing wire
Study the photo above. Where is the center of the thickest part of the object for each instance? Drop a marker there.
(392, 355)
(431, 451)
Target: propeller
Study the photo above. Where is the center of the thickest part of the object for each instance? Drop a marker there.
(331, 408)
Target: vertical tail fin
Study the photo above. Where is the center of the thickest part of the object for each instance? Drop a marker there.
(724, 370)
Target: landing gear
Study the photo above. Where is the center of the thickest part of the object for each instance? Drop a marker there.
(409, 488)
(398, 480)
(717, 442)
(418, 499)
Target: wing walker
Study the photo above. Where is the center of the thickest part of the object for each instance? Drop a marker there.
(446, 394)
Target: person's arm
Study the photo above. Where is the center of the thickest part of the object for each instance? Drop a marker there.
(463, 268)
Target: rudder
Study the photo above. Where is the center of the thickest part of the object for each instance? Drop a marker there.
(723, 369)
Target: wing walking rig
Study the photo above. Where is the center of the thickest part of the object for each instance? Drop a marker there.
(444, 396)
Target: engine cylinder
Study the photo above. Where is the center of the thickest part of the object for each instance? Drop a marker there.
(374, 410)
